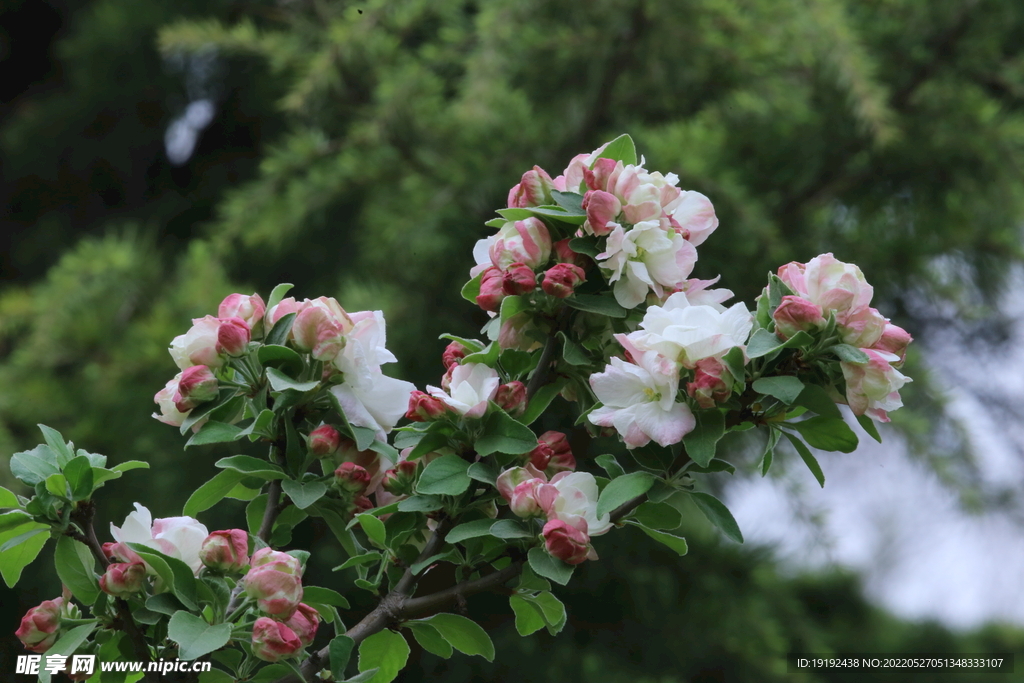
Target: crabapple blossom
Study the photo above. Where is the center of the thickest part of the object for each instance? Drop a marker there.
(639, 401)
(694, 217)
(351, 477)
(894, 340)
(492, 289)
(196, 385)
(873, 388)
(511, 398)
(273, 641)
(304, 623)
(324, 441)
(473, 385)
(712, 383)
(41, 625)
(573, 495)
(518, 278)
(249, 308)
(169, 413)
(123, 578)
(561, 280)
(645, 258)
(198, 346)
(226, 551)
(526, 241)
(552, 453)
(603, 208)
(567, 541)
(795, 314)
(534, 189)
(177, 537)
(274, 580)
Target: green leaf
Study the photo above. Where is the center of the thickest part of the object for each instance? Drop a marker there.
(282, 382)
(445, 475)
(453, 556)
(21, 538)
(386, 651)
(602, 305)
(784, 388)
(174, 574)
(585, 245)
(427, 636)
(277, 356)
(488, 357)
(676, 543)
(541, 400)
(716, 465)
(515, 214)
(212, 492)
(472, 344)
(529, 617)
(572, 353)
(340, 650)
(718, 514)
(304, 495)
(702, 441)
(503, 434)
(827, 433)
(735, 362)
(465, 635)
(128, 465)
(471, 290)
(57, 485)
(769, 450)
(76, 568)
(324, 596)
(620, 149)
(57, 444)
(762, 342)
(816, 399)
(551, 608)
(206, 410)
(279, 334)
(216, 676)
(623, 489)
(510, 528)
(278, 293)
(609, 464)
(8, 499)
(14, 559)
(809, 460)
(866, 423)
(549, 567)
(251, 467)
(34, 466)
(214, 432)
(374, 529)
(78, 473)
(658, 516)
(570, 201)
(558, 214)
(419, 503)
(163, 603)
(15, 518)
(194, 636)
(849, 354)
(66, 646)
(478, 527)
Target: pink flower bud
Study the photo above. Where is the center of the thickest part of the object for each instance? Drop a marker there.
(286, 306)
(318, 333)
(553, 453)
(861, 327)
(324, 440)
(524, 501)
(511, 398)
(597, 177)
(423, 407)
(562, 279)
(564, 254)
(108, 550)
(41, 625)
(894, 340)
(164, 398)
(527, 241)
(399, 480)
(197, 385)
(795, 314)
(275, 581)
(533, 190)
(712, 383)
(226, 551)
(351, 477)
(513, 477)
(361, 504)
(249, 308)
(491, 290)
(453, 353)
(446, 379)
(602, 208)
(304, 623)
(519, 279)
(123, 578)
(273, 640)
(233, 337)
(514, 333)
(566, 542)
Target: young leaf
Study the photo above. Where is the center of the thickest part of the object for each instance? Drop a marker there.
(529, 618)
(15, 558)
(278, 293)
(703, 440)
(816, 399)
(784, 388)
(572, 353)
(465, 635)
(76, 569)
(278, 335)
(676, 543)
(194, 636)
(827, 433)
(474, 529)
(34, 466)
(374, 529)
(541, 400)
(510, 528)
(340, 650)
(658, 516)
(551, 609)
(609, 464)
(849, 354)
(623, 489)
(212, 492)
(79, 474)
(809, 460)
(471, 290)
(385, 651)
(718, 514)
(868, 425)
(282, 382)
(483, 471)
(420, 504)
(734, 362)
(8, 499)
(602, 305)
(503, 434)
(427, 636)
(172, 572)
(444, 476)
(620, 149)
(214, 432)
(549, 567)
(56, 443)
(251, 467)
(66, 646)
(304, 494)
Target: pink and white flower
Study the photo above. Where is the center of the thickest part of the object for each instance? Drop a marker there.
(873, 388)
(41, 625)
(198, 346)
(273, 641)
(573, 495)
(169, 413)
(177, 537)
(646, 258)
(526, 241)
(249, 308)
(640, 401)
(566, 541)
(472, 386)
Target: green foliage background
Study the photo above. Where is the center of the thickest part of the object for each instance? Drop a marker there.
(359, 147)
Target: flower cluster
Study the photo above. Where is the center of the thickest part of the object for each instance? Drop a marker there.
(679, 342)
(826, 288)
